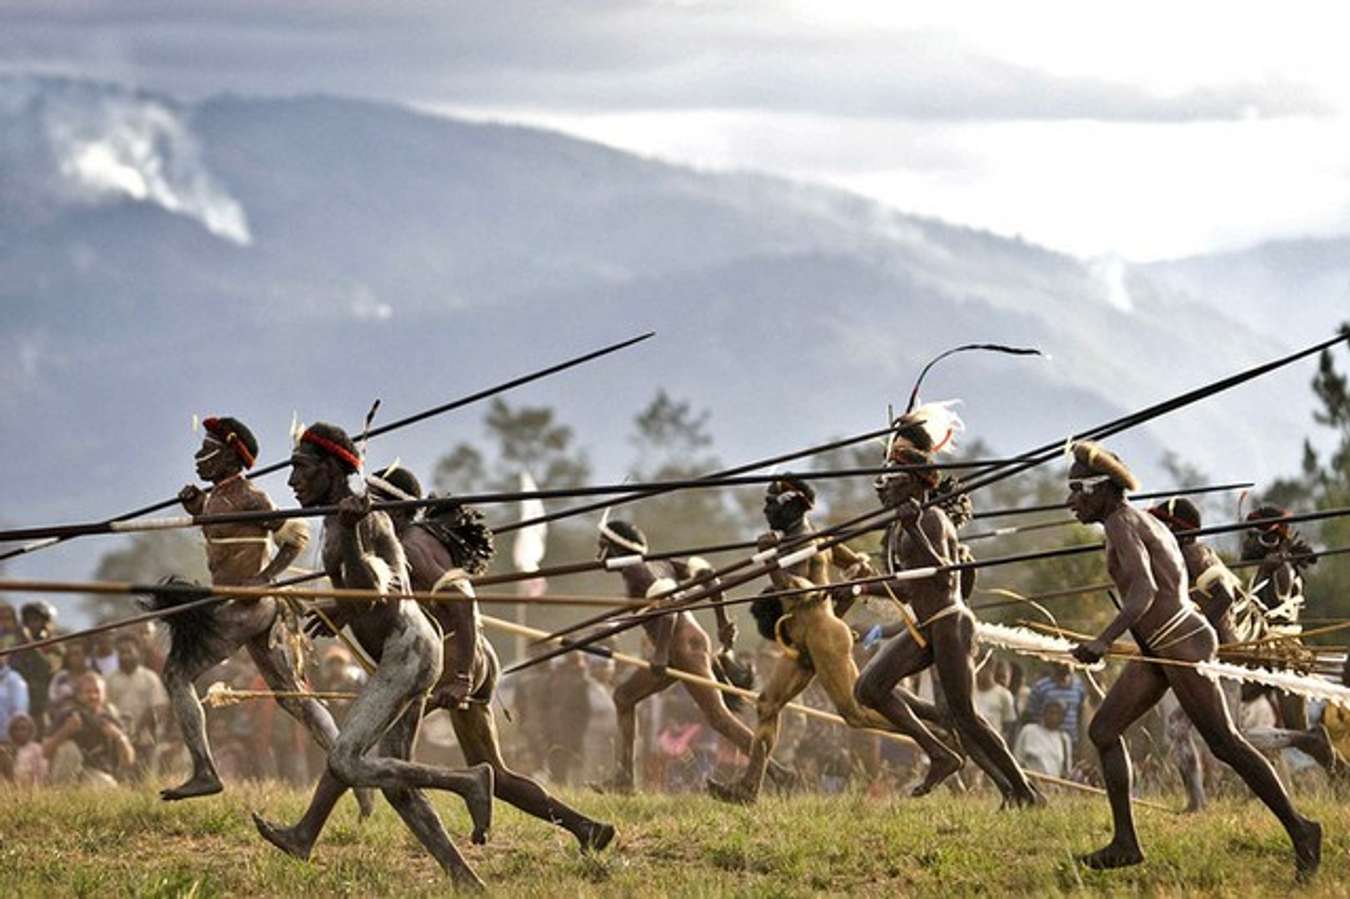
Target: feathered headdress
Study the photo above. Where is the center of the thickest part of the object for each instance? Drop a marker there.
(932, 426)
(463, 533)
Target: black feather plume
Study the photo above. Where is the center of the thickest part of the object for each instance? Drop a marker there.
(988, 347)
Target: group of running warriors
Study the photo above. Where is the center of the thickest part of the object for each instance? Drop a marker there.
(1175, 597)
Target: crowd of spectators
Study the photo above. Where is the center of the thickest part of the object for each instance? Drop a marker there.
(95, 711)
(80, 711)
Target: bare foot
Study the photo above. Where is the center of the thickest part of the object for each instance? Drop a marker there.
(595, 836)
(737, 795)
(1030, 798)
(479, 801)
(283, 838)
(365, 802)
(465, 879)
(199, 785)
(1308, 850)
(939, 769)
(1112, 856)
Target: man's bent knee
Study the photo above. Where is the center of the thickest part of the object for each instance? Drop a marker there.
(344, 763)
(1101, 734)
(869, 692)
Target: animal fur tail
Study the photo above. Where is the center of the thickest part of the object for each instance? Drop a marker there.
(194, 633)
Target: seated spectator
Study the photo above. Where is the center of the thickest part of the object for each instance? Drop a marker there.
(1044, 746)
(24, 760)
(87, 743)
(1061, 685)
(138, 695)
(13, 694)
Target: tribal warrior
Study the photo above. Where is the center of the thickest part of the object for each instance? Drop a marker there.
(1149, 571)
(1277, 584)
(374, 746)
(680, 643)
(236, 555)
(809, 626)
(1236, 617)
(924, 537)
(444, 548)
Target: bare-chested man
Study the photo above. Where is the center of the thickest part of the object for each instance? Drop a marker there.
(1277, 584)
(362, 550)
(925, 538)
(679, 642)
(443, 549)
(1146, 564)
(237, 555)
(1235, 615)
(816, 641)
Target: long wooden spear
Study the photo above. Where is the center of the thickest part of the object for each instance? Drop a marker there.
(373, 432)
(785, 457)
(926, 572)
(797, 550)
(82, 529)
(617, 562)
(1065, 522)
(186, 590)
(1107, 585)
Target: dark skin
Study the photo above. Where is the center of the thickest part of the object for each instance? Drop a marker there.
(1278, 579)
(237, 555)
(358, 545)
(473, 721)
(928, 539)
(823, 641)
(680, 643)
(1146, 564)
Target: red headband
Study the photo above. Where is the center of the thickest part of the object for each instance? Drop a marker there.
(341, 453)
(1174, 523)
(216, 429)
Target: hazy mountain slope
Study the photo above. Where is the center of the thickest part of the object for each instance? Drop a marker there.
(263, 256)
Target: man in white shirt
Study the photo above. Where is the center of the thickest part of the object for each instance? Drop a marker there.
(1042, 746)
(994, 701)
(139, 697)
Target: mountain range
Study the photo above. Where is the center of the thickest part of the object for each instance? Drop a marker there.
(269, 256)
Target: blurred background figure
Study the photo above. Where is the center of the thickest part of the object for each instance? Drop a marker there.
(87, 744)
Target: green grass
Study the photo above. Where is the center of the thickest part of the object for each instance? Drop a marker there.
(128, 843)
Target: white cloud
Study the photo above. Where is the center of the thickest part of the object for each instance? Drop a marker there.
(1140, 190)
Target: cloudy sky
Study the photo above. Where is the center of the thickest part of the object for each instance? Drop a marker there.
(1149, 130)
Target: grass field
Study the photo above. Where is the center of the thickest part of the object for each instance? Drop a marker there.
(109, 843)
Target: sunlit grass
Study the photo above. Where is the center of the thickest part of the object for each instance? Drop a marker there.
(125, 842)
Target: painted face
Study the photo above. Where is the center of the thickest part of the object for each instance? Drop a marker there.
(897, 487)
(215, 461)
(784, 511)
(1089, 494)
(311, 477)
